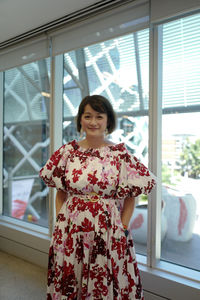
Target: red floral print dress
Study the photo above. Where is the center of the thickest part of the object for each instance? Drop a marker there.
(90, 256)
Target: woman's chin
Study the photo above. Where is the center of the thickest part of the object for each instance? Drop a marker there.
(94, 134)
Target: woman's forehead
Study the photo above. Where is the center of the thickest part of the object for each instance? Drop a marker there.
(89, 109)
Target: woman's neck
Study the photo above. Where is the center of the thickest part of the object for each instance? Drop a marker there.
(93, 142)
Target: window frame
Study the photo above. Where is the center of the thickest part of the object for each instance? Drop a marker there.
(1, 139)
(155, 157)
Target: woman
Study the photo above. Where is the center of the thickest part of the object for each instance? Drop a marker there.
(91, 253)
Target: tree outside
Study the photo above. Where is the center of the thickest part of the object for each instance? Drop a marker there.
(190, 159)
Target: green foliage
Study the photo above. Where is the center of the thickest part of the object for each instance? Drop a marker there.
(143, 198)
(166, 174)
(190, 159)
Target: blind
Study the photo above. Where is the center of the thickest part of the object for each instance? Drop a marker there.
(131, 17)
(161, 10)
(24, 53)
(181, 61)
(89, 28)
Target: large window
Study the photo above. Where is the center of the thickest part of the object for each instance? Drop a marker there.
(25, 141)
(181, 141)
(118, 70)
(110, 55)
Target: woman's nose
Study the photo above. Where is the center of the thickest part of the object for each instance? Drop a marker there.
(93, 121)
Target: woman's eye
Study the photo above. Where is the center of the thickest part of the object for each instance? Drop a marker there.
(99, 117)
(87, 117)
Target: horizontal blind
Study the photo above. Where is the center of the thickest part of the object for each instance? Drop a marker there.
(181, 61)
(122, 20)
(89, 28)
(163, 10)
(24, 53)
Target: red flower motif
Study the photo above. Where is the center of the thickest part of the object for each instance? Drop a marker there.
(49, 165)
(57, 235)
(94, 208)
(68, 281)
(99, 248)
(131, 282)
(69, 249)
(76, 174)
(50, 266)
(79, 252)
(58, 172)
(119, 245)
(55, 158)
(85, 270)
(100, 288)
(92, 178)
(86, 226)
(115, 271)
(136, 190)
(103, 184)
(105, 220)
(84, 293)
(61, 217)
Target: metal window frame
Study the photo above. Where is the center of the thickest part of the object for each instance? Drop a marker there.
(56, 120)
(155, 125)
(1, 141)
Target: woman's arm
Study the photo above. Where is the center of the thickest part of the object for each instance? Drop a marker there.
(60, 198)
(127, 211)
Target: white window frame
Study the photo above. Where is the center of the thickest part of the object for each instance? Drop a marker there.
(1, 141)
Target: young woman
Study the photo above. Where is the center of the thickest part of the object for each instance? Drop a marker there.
(91, 253)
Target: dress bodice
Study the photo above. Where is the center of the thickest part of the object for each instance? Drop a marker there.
(109, 171)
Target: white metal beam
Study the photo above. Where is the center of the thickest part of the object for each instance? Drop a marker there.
(56, 121)
(155, 126)
(1, 142)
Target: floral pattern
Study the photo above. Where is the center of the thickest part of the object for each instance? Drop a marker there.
(90, 256)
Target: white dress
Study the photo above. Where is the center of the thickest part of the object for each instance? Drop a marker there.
(90, 256)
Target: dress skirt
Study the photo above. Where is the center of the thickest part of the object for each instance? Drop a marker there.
(90, 256)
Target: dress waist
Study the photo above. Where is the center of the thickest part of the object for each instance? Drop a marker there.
(92, 197)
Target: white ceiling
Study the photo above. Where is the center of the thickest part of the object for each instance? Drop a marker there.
(20, 16)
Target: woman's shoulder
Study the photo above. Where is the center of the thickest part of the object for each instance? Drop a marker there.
(70, 145)
(118, 147)
(65, 149)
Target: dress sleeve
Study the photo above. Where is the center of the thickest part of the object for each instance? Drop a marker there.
(53, 172)
(134, 177)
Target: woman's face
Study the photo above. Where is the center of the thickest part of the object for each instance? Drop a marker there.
(93, 122)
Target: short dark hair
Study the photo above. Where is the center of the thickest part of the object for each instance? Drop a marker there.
(101, 105)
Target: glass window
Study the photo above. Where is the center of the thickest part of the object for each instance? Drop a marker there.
(181, 142)
(26, 140)
(119, 70)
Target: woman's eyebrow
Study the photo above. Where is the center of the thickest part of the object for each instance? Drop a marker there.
(89, 113)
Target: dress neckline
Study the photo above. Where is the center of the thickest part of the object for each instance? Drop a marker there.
(90, 149)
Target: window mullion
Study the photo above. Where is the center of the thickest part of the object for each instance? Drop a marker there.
(1, 141)
(155, 117)
(138, 67)
(56, 122)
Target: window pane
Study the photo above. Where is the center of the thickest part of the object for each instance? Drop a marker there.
(181, 141)
(117, 69)
(26, 139)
